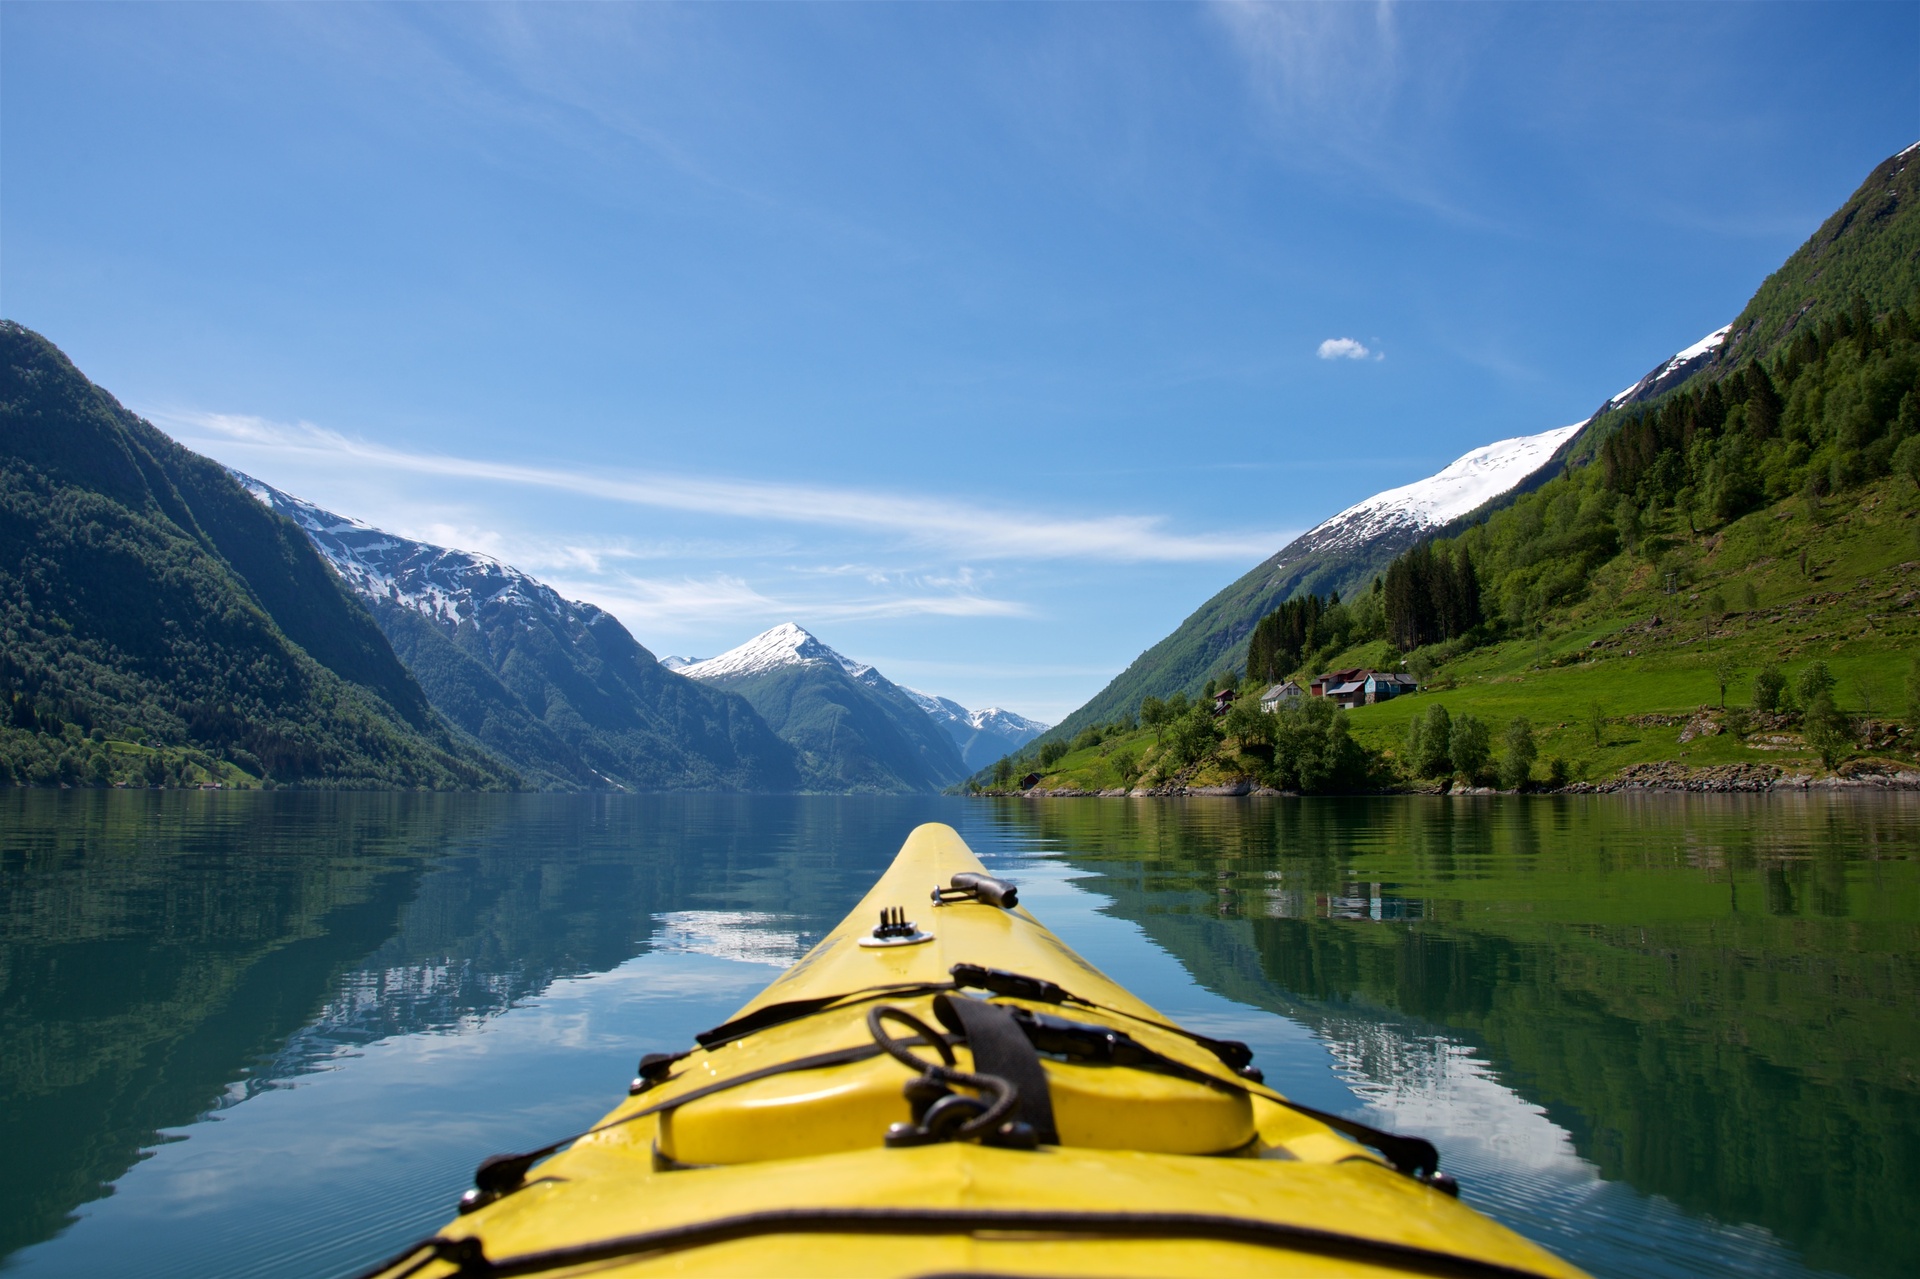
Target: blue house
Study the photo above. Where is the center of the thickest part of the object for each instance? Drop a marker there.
(1384, 686)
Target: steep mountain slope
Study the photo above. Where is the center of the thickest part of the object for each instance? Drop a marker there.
(144, 596)
(1341, 554)
(983, 735)
(1863, 261)
(559, 688)
(854, 729)
(1869, 248)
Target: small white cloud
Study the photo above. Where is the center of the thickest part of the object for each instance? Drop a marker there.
(1345, 349)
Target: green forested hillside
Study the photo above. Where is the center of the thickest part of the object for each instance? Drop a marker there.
(1723, 537)
(161, 627)
(1213, 640)
(1869, 248)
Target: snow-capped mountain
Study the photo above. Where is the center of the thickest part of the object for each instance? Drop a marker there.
(437, 582)
(852, 727)
(785, 645)
(980, 736)
(983, 735)
(556, 687)
(1467, 482)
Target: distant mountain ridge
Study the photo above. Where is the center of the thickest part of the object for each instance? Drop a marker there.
(853, 729)
(557, 687)
(983, 735)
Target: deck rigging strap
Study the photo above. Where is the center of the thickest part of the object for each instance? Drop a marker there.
(1001, 1047)
(1235, 1054)
(999, 981)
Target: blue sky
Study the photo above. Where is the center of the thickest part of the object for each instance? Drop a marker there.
(982, 340)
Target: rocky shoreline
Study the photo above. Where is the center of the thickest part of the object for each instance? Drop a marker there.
(1671, 778)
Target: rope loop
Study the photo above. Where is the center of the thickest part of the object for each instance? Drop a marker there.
(897, 1049)
(999, 1099)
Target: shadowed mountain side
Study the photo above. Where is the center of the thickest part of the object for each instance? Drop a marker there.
(469, 693)
(1213, 639)
(143, 591)
(608, 714)
(1680, 1028)
(848, 736)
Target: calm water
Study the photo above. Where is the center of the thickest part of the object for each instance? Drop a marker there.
(273, 1032)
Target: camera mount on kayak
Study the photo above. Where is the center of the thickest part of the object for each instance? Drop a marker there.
(895, 929)
(970, 886)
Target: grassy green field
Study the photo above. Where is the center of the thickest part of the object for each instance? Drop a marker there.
(1835, 581)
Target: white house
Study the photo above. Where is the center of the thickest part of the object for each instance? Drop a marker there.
(1280, 694)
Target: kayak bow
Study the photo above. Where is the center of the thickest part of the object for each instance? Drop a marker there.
(942, 1086)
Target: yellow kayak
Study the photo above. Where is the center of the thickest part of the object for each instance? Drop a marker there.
(943, 1087)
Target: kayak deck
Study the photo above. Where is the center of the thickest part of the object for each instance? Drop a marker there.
(1181, 1168)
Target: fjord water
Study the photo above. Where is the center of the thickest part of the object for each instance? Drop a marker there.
(253, 1033)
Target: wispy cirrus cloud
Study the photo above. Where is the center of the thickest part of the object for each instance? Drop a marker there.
(1339, 91)
(677, 605)
(1333, 68)
(975, 530)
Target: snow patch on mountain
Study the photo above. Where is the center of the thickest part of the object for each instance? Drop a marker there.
(787, 644)
(1487, 472)
(1470, 480)
(992, 719)
(446, 585)
(1681, 363)
(945, 710)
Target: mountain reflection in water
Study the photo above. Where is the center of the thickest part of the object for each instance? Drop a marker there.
(1709, 1000)
(1666, 1036)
